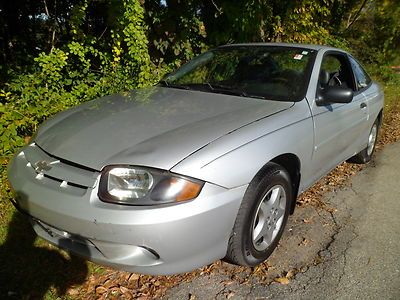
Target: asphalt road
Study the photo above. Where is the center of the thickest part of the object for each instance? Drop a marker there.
(351, 253)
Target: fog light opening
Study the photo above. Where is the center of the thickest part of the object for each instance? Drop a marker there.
(154, 252)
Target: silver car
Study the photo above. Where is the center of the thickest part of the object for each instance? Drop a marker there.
(206, 165)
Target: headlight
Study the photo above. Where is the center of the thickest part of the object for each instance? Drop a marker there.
(128, 183)
(142, 186)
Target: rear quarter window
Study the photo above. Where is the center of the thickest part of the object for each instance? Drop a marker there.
(362, 78)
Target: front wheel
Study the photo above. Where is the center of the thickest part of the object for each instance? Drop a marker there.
(365, 155)
(261, 218)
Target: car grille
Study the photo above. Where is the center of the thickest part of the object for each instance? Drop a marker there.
(63, 173)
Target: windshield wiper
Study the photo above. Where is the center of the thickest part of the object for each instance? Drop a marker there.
(219, 88)
(231, 90)
(174, 85)
(256, 96)
(212, 87)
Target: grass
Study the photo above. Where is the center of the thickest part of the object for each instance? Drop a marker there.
(34, 269)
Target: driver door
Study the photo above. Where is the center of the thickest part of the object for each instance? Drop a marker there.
(338, 126)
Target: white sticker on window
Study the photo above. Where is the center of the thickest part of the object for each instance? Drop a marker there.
(298, 56)
(304, 52)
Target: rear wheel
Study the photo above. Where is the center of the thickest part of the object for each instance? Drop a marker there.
(365, 155)
(261, 218)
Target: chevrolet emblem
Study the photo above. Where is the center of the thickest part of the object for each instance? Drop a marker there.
(42, 165)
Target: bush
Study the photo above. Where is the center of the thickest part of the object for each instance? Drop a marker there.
(76, 73)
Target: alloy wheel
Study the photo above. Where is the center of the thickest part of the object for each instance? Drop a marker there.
(269, 216)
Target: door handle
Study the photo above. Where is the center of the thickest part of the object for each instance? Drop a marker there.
(363, 105)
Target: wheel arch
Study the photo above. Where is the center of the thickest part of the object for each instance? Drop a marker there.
(291, 163)
(380, 117)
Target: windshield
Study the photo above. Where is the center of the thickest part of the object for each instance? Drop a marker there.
(267, 72)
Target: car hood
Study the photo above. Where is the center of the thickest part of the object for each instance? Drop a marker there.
(155, 127)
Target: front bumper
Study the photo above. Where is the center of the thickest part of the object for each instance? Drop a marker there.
(149, 240)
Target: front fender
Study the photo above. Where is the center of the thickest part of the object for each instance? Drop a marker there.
(234, 159)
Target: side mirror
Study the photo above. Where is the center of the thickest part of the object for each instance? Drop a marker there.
(334, 94)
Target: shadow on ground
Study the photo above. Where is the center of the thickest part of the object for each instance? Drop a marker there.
(28, 271)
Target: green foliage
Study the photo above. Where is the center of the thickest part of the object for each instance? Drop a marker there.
(375, 33)
(75, 73)
(176, 32)
(134, 32)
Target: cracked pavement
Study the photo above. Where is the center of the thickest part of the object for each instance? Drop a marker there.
(349, 252)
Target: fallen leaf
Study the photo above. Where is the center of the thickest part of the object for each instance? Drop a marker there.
(73, 291)
(109, 284)
(157, 283)
(304, 242)
(134, 277)
(291, 273)
(227, 282)
(100, 290)
(282, 280)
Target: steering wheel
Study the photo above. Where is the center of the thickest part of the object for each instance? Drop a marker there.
(335, 80)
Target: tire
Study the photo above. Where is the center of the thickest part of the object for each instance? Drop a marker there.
(365, 155)
(261, 218)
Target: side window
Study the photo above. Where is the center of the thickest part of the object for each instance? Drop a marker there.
(335, 71)
(362, 78)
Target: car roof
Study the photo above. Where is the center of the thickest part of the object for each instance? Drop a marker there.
(292, 45)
